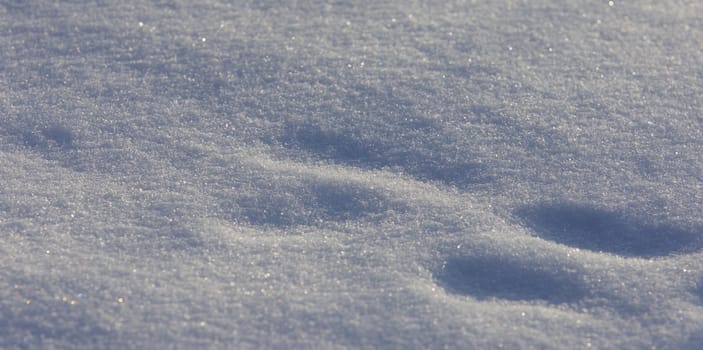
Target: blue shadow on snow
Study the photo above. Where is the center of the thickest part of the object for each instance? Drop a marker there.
(356, 150)
(494, 278)
(600, 230)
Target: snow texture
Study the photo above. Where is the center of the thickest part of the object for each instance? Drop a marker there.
(351, 174)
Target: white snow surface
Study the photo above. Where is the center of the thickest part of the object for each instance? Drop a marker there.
(351, 174)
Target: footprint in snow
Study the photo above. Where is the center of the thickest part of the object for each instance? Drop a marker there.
(486, 278)
(602, 230)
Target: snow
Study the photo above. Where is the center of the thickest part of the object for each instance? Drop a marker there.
(307, 174)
